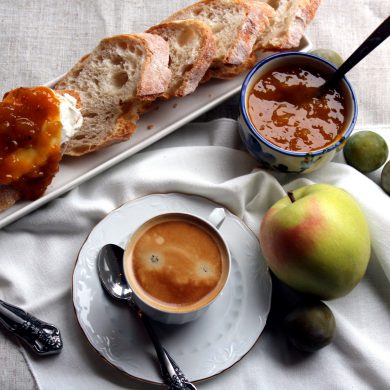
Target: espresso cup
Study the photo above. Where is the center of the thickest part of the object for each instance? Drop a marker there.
(177, 264)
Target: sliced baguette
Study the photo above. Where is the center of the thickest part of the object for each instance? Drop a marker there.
(114, 83)
(192, 48)
(236, 25)
(287, 27)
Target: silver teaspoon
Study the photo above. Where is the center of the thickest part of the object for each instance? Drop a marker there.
(112, 278)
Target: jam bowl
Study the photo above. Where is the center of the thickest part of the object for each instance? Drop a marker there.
(287, 122)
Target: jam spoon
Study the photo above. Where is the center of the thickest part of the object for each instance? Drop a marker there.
(380, 34)
(111, 276)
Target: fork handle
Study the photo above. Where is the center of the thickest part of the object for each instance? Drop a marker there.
(41, 337)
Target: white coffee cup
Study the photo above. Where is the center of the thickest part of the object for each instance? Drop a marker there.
(177, 264)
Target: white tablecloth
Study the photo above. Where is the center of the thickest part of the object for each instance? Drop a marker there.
(40, 40)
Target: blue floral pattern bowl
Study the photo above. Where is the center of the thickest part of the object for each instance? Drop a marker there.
(272, 156)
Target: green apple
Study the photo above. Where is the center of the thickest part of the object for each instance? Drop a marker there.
(316, 240)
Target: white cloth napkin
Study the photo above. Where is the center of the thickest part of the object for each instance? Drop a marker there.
(208, 160)
(37, 253)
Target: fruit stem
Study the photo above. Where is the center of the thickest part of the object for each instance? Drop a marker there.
(291, 196)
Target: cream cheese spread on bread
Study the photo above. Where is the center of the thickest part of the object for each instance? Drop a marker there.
(70, 116)
(35, 123)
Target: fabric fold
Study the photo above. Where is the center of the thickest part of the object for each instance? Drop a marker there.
(42, 248)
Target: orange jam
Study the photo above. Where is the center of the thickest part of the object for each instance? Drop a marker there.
(284, 107)
(30, 140)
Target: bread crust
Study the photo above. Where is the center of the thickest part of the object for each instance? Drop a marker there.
(8, 197)
(301, 12)
(227, 72)
(155, 75)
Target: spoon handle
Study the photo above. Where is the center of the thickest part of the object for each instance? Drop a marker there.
(380, 34)
(41, 337)
(173, 376)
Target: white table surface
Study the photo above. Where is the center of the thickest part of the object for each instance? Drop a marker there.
(41, 39)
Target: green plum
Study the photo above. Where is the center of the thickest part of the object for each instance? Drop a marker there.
(329, 55)
(310, 326)
(385, 178)
(366, 151)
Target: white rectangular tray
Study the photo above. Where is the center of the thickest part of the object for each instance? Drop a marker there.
(153, 126)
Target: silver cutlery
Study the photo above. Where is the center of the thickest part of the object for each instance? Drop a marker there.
(41, 337)
(111, 276)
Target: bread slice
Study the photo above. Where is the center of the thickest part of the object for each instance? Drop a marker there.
(114, 82)
(236, 24)
(192, 48)
(10, 195)
(288, 25)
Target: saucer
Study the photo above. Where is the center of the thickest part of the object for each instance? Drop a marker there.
(202, 348)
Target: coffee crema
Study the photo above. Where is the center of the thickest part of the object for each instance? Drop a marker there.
(175, 263)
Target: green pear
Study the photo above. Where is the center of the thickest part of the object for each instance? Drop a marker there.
(316, 240)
